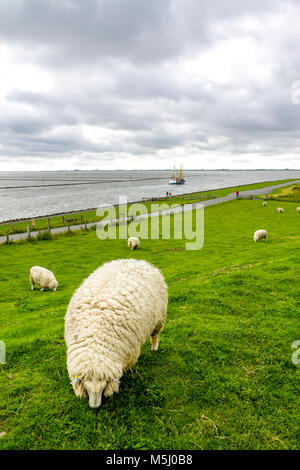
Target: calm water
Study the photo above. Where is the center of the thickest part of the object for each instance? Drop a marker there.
(30, 194)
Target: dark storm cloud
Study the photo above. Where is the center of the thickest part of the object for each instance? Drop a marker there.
(141, 77)
(142, 30)
(90, 29)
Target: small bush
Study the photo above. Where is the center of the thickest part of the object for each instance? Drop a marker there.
(44, 235)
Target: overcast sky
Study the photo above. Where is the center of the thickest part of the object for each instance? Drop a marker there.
(148, 83)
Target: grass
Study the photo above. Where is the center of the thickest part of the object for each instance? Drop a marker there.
(91, 216)
(286, 194)
(223, 376)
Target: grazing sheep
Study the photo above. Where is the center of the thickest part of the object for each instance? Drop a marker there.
(133, 243)
(108, 319)
(279, 209)
(298, 209)
(264, 203)
(43, 278)
(259, 235)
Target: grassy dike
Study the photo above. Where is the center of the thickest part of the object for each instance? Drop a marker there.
(91, 215)
(286, 194)
(223, 377)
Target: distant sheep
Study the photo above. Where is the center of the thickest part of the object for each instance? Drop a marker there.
(259, 235)
(279, 209)
(133, 243)
(109, 318)
(264, 203)
(43, 278)
(298, 209)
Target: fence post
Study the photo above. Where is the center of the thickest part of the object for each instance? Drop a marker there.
(49, 227)
(69, 226)
(7, 236)
(28, 232)
(85, 224)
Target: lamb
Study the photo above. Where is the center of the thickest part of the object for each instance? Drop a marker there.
(260, 234)
(110, 316)
(133, 243)
(279, 209)
(298, 209)
(43, 278)
(264, 203)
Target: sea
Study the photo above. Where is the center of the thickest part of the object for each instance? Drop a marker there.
(39, 193)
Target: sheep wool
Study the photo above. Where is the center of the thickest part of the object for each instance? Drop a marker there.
(133, 243)
(280, 209)
(110, 316)
(264, 203)
(43, 278)
(298, 209)
(259, 235)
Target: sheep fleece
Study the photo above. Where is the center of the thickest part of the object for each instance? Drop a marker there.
(42, 277)
(109, 318)
(133, 243)
(259, 235)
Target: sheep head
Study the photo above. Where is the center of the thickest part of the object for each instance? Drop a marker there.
(53, 285)
(94, 387)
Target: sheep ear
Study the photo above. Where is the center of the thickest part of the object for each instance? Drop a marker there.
(78, 387)
(112, 387)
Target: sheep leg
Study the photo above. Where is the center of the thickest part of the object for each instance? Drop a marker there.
(42, 289)
(154, 338)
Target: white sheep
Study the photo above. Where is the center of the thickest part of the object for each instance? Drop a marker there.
(109, 318)
(43, 278)
(264, 203)
(133, 243)
(298, 209)
(260, 234)
(279, 209)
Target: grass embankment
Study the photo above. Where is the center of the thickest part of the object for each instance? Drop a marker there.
(286, 194)
(91, 216)
(223, 376)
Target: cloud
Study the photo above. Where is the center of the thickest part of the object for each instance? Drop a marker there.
(125, 83)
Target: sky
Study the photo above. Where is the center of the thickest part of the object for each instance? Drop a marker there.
(146, 84)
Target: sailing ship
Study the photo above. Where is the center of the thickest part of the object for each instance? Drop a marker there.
(177, 176)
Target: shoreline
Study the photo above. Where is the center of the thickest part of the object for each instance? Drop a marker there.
(58, 214)
(251, 193)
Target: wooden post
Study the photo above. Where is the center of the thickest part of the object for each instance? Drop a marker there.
(7, 236)
(28, 232)
(69, 226)
(49, 227)
(85, 224)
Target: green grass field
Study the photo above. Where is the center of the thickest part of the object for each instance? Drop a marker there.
(223, 377)
(286, 194)
(91, 215)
